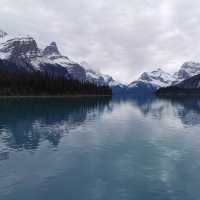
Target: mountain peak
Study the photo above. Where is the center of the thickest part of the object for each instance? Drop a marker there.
(53, 44)
(51, 49)
(19, 50)
(187, 70)
(158, 71)
(148, 76)
(3, 34)
(19, 46)
(152, 80)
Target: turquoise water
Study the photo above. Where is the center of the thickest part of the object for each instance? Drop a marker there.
(100, 149)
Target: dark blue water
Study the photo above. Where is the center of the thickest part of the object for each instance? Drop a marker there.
(100, 149)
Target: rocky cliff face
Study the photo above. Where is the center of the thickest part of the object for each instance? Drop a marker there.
(20, 51)
(25, 53)
(51, 50)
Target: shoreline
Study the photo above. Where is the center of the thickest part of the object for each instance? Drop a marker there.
(54, 96)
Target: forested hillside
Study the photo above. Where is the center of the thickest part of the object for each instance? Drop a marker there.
(38, 83)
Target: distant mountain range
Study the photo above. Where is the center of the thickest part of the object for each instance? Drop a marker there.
(147, 83)
(103, 79)
(190, 86)
(186, 71)
(25, 55)
(152, 81)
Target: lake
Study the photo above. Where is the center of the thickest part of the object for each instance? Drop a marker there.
(131, 148)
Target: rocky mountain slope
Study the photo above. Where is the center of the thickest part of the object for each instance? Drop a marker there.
(103, 79)
(148, 83)
(191, 83)
(190, 86)
(187, 70)
(25, 53)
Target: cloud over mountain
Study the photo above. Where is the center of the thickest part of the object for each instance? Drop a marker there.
(121, 38)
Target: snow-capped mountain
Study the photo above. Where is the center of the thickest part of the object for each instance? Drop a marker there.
(24, 52)
(187, 81)
(98, 78)
(103, 79)
(187, 70)
(149, 82)
(25, 55)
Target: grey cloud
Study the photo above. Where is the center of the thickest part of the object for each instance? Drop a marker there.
(122, 38)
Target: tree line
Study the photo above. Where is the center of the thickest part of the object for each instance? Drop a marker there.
(44, 84)
(177, 91)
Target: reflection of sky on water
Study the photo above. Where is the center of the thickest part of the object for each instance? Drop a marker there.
(131, 148)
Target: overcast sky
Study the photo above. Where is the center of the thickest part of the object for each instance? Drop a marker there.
(119, 37)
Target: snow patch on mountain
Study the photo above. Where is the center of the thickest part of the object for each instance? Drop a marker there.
(25, 53)
(151, 81)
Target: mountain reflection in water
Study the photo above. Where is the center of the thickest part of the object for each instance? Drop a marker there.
(25, 122)
(99, 148)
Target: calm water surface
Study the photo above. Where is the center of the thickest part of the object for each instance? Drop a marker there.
(100, 149)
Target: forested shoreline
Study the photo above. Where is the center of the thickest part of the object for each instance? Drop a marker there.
(43, 84)
(177, 91)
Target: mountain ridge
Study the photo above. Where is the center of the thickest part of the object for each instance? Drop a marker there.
(24, 52)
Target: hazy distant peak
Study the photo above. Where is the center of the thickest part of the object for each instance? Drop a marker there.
(51, 49)
(86, 65)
